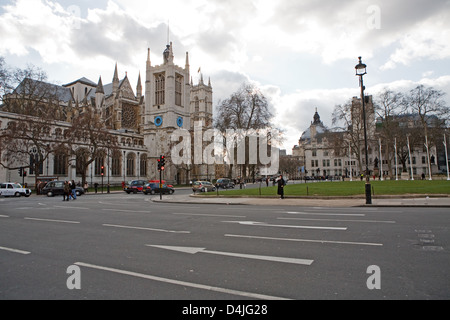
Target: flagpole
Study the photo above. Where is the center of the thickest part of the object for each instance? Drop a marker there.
(350, 160)
(428, 158)
(410, 160)
(446, 157)
(381, 162)
(396, 160)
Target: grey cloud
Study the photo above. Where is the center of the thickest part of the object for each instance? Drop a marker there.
(218, 44)
(395, 15)
(91, 40)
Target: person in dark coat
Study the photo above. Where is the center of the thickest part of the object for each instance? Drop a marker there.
(281, 187)
(73, 186)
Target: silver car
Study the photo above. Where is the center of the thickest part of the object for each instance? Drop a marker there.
(203, 186)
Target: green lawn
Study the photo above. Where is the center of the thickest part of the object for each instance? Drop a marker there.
(347, 188)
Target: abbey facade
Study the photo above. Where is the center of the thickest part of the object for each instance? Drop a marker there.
(142, 122)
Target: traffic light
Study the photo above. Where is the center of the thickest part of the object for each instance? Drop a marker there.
(20, 171)
(159, 164)
(24, 172)
(102, 172)
(163, 162)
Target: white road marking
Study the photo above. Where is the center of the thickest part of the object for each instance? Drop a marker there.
(182, 283)
(305, 240)
(327, 214)
(209, 215)
(67, 207)
(261, 224)
(142, 228)
(338, 220)
(131, 211)
(2, 216)
(51, 220)
(238, 255)
(369, 210)
(14, 250)
(346, 209)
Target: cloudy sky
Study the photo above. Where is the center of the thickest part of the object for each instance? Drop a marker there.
(301, 53)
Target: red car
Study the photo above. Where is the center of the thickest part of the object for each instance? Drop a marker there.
(163, 182)
(135, 186)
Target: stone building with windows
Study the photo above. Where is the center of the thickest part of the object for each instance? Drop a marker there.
(340, 154)
(140, 121)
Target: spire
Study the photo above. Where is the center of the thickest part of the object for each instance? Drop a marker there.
(209, 82)
(99, 94)
(187, 60)
(116, 79)
(99, 88)
(139, 86)
(116, 73)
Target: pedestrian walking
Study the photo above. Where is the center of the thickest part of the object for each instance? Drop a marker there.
(96, 187)
(281, 185)
(74, 190)
(67, 191)
(86, 187)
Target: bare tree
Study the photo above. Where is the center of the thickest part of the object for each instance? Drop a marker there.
(5, 76)
(388, 107)
(89, 140)
(27, 140)
(428, 104)
(245, 111)
(345, 114)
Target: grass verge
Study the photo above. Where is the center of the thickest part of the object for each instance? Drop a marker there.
(343, 189)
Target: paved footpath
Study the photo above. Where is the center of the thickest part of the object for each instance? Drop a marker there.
(402, 201)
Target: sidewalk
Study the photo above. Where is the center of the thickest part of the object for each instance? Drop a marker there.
(400, 201)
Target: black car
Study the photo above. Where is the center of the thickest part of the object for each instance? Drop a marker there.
(153, 188)
(225, 183)
(56, 188)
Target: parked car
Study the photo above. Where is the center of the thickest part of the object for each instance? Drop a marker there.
(153, 188)
(203, 186)
(135, 186)
(225, 183)
(56, 188)
(163, 182)
(9, 189)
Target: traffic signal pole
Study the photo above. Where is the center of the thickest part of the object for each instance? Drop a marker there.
(161, 163)
(160, 184)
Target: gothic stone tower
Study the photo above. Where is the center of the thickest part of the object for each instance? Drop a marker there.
(202, 113)
(168, 107)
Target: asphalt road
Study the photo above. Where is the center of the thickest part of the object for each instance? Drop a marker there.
(123, 246)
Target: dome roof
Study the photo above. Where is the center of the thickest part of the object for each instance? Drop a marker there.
(319, 128)
(307, 133)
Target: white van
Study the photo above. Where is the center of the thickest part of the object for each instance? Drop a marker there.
(9, 189)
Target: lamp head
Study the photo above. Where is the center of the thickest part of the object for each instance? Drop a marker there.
(361, 68)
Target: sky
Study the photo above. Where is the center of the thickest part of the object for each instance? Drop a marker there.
(300, 53)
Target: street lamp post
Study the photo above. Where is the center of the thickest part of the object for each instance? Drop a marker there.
(361, 70)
